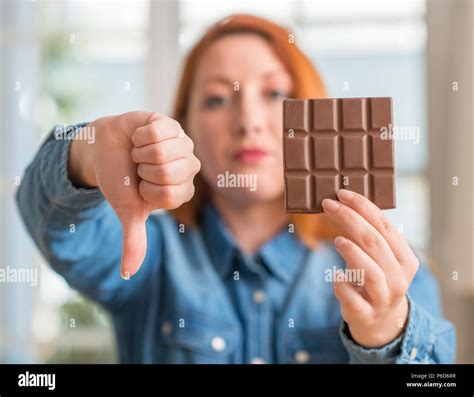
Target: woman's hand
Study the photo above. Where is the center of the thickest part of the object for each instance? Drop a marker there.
(377, 311)
(141, 161)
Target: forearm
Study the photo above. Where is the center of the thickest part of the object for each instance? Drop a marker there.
(71, 226)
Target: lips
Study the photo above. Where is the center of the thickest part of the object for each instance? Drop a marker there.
(250, 156)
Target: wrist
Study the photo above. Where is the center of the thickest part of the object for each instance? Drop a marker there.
(79, 171)
(384, 330)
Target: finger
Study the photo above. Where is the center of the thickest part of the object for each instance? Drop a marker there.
(157, 131)
(353, 305)
(368, 274)
(389, 232)
(166, 196)
(171, 173)
(134, 241)
(163, 152)
(365, 236)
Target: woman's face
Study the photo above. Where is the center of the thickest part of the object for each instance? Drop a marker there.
(235, 117)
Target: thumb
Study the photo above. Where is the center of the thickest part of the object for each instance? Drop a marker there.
(134, 241)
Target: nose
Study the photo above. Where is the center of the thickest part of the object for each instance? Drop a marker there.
(249, 117)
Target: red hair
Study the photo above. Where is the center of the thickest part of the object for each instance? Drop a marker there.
(307, 83)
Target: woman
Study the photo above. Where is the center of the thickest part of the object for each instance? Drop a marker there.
(225, 275)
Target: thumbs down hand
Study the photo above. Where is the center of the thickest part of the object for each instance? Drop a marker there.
(141, 162)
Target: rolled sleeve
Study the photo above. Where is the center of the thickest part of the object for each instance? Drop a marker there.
(428, 339)
(54, 176)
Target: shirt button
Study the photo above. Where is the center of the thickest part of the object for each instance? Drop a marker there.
(257, 360)
(413, 353)
(218, 344)
(166, 329)
(302, 357)
(259, 296)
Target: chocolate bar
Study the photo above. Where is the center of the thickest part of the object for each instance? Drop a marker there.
(331, 144)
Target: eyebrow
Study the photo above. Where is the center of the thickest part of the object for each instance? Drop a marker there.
(225, 80)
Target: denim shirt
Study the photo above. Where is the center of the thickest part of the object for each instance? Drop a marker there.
(198, 298)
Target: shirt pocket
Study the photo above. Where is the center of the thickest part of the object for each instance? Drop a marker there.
(315, 346)
(189, 337)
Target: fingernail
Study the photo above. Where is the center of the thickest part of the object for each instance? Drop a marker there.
(339, 241)
(330, 205)
(345, 195)
(125, 275)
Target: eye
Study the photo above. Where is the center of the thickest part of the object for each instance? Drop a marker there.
(275, 94)
(214, 101)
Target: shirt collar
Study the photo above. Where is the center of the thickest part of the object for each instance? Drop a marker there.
(281, 255)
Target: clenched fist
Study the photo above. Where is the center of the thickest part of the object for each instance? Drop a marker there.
(140, 161)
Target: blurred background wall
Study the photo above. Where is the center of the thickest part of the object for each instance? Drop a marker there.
(451, 108)
(68, 61)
